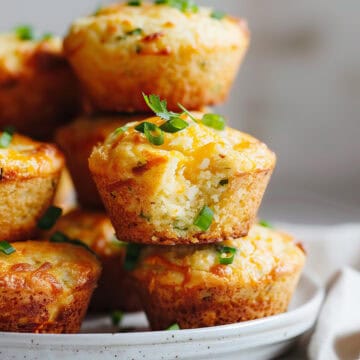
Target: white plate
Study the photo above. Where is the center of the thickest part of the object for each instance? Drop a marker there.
(251, 340)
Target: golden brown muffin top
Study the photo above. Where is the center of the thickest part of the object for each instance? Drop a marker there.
(263, 254)
(156, 29)
(46, 267)
(27, 158)
(197, 149)
(92, 228)
(24, 57)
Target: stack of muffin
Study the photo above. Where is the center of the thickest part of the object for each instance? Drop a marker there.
(150, 164)
(180, 187)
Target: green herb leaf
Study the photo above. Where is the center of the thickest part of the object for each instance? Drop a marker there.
(174, 125)
(6, 137)
(50, 217)
(59, 237)
(116, 317)
(223, 182)
(218, 15)
(152, 132)
(182, 5)
(187, 112)
(266, 224)
(214, 121)
(134, 3)
(204, 219)
(137, 31)
(226, 254)
(6, 248)
(159, 107)
(132, 255)
(24, 32)
(173, 327)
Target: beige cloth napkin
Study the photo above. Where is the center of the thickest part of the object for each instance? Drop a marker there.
(333, 257)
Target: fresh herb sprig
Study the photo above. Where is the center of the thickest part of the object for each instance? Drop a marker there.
(173, 327)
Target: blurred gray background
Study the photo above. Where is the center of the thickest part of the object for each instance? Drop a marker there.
(298, 91)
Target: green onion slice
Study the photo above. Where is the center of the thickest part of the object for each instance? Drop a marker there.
(6, 137)
(59, 237)
(174, 125)
(204, 219)
(226, 254)
(134, 3)
(116, 317)
(6, 248)
(218, 15)
(47, 36)
(183, 5)
(24, 32)
(174, 327)
(50, 217)
(132, 255)
(214, 121)
(152, 132)
(137, 31)
(266, 224)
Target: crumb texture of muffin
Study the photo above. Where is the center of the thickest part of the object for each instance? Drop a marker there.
(46, 287)
(153, 194)
(29, 174)
(77, 140)
(183, 56)
(115, 289)
(189, 286)
(38, 89)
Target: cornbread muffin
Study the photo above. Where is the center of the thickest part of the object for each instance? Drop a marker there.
(46, 287)
(29, 174)
(189, 56)
(77, 140)
(190, 286)
(115, 289)
(162, 194)
(38, 89)
(65, 196)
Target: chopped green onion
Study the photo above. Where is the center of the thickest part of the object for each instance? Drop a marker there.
(214, 121)
(50, 217)
(6, 137)
(152, 132)
(137, 31)
(132, 256)
(6, 248)
(59, 237)
(24, 32)
(218, 15)
(174, 125)
(174, 327)
(116, 317)
(183, 5)
(134, 3)
(47, 36)
(204, 219)
(266, 224)
(226, 254)
(223, 182)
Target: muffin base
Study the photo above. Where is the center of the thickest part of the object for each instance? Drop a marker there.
(203, 306)
(23, 202)
(238, 211)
